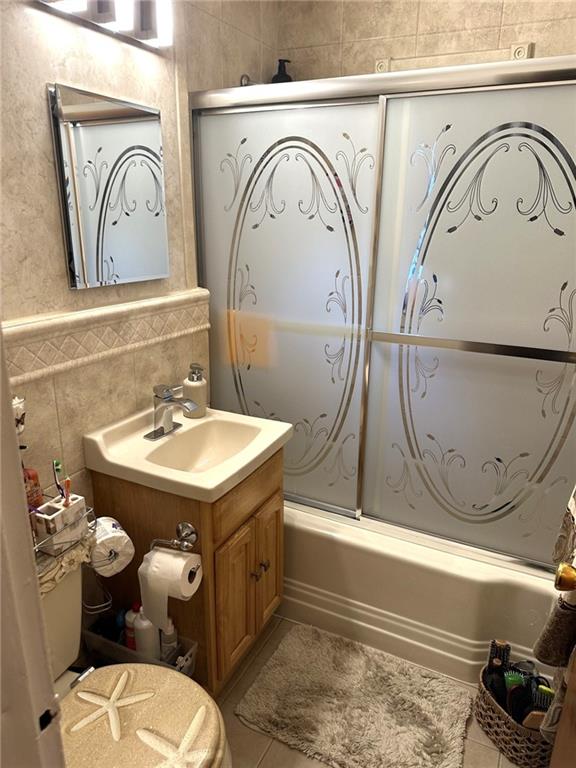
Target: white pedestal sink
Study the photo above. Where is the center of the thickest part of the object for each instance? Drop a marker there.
(202, 460)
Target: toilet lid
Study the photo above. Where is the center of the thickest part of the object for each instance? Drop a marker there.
(144, 715)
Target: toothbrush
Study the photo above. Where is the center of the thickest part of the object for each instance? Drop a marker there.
(67, 486)
(57, 471)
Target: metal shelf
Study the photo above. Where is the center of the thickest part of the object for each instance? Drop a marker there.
(64, 546)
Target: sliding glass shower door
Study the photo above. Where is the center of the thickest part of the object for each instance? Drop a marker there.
(470, 430)
(423, 246)
(288, 200)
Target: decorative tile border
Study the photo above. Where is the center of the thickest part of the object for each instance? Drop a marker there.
(48, 344)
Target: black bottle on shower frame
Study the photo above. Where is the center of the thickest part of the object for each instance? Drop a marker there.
(282, 76)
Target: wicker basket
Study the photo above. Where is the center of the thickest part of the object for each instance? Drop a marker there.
(522, 746)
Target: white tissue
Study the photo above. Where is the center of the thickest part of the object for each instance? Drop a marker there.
(167, 573)
(113, 549)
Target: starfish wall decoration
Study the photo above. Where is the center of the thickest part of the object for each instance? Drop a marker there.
(110, 706)
(178, 757)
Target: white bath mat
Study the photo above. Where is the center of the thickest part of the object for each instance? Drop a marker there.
(351, 706)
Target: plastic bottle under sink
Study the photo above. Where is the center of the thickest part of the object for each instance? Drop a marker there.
(147, 636)
(168, 640)
(129, 619)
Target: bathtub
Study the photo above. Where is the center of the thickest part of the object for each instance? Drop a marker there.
(427, 600)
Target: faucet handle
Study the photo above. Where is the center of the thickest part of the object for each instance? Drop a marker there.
(163, 391)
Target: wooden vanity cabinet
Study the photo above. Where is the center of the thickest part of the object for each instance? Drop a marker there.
(249, 576)
(241, 542)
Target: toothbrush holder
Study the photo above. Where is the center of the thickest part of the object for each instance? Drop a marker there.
(61, 526)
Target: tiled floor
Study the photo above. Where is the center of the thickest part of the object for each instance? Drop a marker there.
(255, 750)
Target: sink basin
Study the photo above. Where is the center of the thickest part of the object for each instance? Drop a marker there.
(209, 444)
(202, 460)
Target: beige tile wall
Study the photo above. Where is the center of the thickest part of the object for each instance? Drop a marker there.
(327, 38)
(215, 42)
(61, 408)
(37, 48)
(219, 40)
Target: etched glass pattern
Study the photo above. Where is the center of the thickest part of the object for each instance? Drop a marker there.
(287, 209)
(477, 243)
(117, 218)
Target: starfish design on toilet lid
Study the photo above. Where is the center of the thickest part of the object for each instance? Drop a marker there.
(109, 705)
(178, 757)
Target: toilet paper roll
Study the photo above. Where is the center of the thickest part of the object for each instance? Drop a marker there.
(167, 573)
(113, 548)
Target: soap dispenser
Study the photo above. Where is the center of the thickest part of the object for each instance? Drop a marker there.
(282, 76)
(194, 388)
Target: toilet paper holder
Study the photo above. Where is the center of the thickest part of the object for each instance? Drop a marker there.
(186, 538)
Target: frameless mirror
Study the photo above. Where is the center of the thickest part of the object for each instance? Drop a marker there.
(110, 173)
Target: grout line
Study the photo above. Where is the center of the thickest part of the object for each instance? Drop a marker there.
(455, 54)
(268, 748)
(501, 24)
(463, 50)
(242, 31)
(418, 25)
(58, 423)
(416, 37)
(341, 44)
(352, 41)
(203, 9)
(285, 618)
(313, 47)
(528, 34)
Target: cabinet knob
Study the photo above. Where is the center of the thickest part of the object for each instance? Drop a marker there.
(256, 575)
(263, 567)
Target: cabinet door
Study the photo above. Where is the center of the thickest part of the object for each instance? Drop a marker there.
(269, 558)
(235, 596)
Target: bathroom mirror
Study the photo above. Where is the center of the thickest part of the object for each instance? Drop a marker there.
(110, 175)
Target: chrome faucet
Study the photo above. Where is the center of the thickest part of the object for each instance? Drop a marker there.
(165, 400)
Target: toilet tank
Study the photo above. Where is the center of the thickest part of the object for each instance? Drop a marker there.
(62, 609)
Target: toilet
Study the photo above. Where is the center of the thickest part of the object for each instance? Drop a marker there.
(126, 714)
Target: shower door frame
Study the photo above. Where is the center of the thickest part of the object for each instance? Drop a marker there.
(380, 88)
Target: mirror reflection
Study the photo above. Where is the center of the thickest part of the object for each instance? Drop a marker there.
(110, 171)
